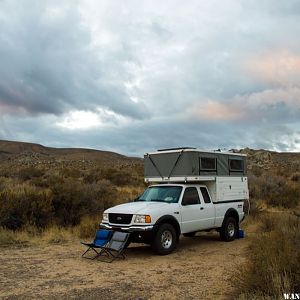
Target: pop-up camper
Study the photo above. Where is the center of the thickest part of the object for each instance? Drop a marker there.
(191, 190)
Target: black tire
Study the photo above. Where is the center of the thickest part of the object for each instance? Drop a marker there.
(229, 230)
(165, 239)
(190, 234)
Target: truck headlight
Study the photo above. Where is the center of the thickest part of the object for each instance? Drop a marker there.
(105, 217)
(142, 219)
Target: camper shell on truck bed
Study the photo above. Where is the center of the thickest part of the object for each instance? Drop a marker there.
(224, 173)
(190, 165)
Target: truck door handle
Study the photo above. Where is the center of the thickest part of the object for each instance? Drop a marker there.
(201, 208)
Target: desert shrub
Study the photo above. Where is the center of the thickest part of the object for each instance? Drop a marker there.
(288, 199)
(74, 199)
(128, 193)
(274, 259)
(9, 237)
(119, 177)
(94, 175)
(56, 235)
(88, 226)
(29, 173)
(295, 177)
(6, 171)
(70, 172)
(255, 208)
(22, 204)
(256, 170)
(274, 189)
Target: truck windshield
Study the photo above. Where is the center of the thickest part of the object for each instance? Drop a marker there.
(169, 194)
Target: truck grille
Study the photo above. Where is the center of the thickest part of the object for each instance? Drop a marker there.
(120, 218)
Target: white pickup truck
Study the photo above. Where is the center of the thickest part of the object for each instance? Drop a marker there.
(184, 204)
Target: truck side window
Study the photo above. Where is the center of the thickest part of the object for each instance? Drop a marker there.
(190, 196)
(205, 194)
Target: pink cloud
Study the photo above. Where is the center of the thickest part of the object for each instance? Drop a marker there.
(278, 68)
(249, 107)
(218, 111)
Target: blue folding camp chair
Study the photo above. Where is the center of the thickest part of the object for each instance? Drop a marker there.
(102, 237)
(116, 246)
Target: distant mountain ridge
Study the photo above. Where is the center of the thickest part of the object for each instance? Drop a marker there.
(30, 153)
(20, 151)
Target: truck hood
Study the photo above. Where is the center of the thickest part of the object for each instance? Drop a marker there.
(137, 207)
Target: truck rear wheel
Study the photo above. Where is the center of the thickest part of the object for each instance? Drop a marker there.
(165, 239)
(229, 230)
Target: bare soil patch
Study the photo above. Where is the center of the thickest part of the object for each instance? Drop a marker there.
(202, 267)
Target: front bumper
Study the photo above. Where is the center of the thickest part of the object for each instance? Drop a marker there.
(138, 234)
(132, 228)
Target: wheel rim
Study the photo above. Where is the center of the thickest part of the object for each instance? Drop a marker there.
(231, 230)
(166, 239)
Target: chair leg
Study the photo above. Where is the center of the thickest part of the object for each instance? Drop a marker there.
(103, 252)
(119, 255)
(86, 251)
(90, 248)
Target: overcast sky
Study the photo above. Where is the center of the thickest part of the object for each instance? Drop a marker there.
(135, 76)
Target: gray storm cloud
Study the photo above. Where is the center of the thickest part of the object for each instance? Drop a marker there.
(48, 64)
(151, 74)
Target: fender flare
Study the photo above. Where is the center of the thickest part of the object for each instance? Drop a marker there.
(171, 220)
(231, 212)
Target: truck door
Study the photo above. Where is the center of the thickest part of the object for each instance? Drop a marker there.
(208, 214)
(190, 210)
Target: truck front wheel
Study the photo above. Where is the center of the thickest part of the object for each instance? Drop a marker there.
(165, 239)
(229, 230)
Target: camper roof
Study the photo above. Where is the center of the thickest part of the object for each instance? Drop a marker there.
(190, 149)
(186, 164)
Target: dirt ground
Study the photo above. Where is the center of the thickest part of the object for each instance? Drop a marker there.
(201, 268)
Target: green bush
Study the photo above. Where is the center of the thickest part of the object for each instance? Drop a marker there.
(22, 204)
(74, 199)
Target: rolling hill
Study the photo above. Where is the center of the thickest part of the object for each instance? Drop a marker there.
(30, 153)
(22, 153)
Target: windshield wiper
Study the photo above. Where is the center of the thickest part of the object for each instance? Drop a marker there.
(157, 200)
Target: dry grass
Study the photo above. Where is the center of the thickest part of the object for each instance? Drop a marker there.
(275, 190)
(56, 235)
(274, 259)
(87, 227)
(11, 238)
(31, 235)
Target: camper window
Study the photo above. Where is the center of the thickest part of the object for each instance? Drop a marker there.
(207, 164)
(236, 165)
